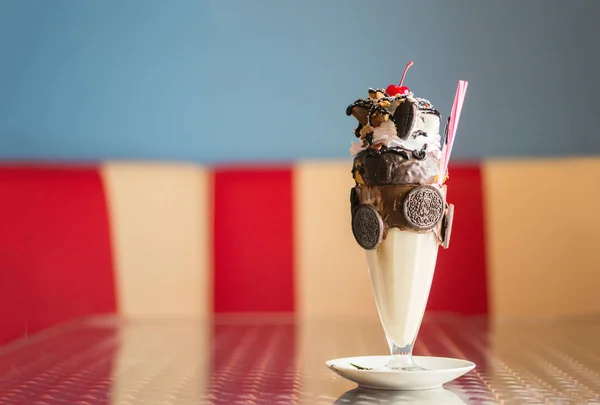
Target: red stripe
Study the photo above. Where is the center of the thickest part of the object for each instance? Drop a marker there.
(253, 246)
(55, 256)
(460, 284)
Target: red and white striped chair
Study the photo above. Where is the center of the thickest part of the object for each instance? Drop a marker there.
(154, 239)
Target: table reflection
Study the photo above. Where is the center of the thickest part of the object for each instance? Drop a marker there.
(439, 396)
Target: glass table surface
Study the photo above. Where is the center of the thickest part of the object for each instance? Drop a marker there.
(277, 359)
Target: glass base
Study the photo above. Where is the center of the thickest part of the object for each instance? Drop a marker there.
(403, 363)
(401, 359)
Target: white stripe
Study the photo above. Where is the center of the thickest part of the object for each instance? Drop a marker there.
(542, 236)
(331, 271)
(160, 237)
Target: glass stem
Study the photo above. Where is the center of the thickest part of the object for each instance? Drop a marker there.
(401, 358)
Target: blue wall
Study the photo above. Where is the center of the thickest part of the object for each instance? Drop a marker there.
(213, 81)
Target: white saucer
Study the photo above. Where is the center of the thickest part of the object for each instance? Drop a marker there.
(438, 371)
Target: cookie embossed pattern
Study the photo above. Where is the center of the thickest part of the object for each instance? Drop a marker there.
(400, 217)
(424, 207)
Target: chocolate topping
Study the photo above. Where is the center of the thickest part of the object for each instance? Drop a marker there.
(393, 167)
(420, 154)
(431, 111)
(389, 201)
(368, 111)
(425, 106)
(357, 130)
(360, 112)
(396, 168)
(418, 133)
(445, 140)
(353, 198)
(446, 230)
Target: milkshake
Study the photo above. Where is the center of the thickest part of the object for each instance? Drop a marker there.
(400, 216)
(401, 272)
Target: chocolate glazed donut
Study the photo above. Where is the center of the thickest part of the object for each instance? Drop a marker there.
(389, 167)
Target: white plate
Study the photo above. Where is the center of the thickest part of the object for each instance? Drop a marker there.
(438, 371)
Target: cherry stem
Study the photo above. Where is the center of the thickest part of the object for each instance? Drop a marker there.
(409, 64)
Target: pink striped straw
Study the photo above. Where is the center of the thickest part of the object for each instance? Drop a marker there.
(459, 99)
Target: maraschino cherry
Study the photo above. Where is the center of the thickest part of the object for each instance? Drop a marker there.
(399, 89)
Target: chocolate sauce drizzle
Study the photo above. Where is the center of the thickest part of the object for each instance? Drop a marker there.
(426, 107)
(417, 154)
(418, 133)
(446, 132)
(372, 105)
(422, 104)
(359, 103)
(420, 154)
(357, 130)
(354, 201)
